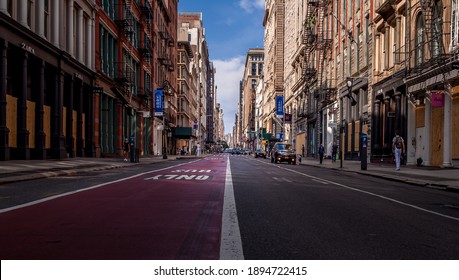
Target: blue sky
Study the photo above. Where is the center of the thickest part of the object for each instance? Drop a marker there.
(232, 27)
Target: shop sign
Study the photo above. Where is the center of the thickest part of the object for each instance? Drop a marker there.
(28, 48)
(158, 103)
(280, 106)
(438, 98)
(98, 90)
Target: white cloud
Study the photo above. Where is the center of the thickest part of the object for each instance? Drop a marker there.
(228, 76)
(249, 5)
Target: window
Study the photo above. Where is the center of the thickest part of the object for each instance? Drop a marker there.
(46, 19)
(358, 47)
(260, 68)
(109, 7)
(367, 37)
(108, 52)
(9, 7)
(147, 82)
(454, 27)
(84, 37)
(437, 24)
(29, 13)
(254, 69)
(419, 40)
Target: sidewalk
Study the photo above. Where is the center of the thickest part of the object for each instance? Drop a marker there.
(443, 178)
(22, 170)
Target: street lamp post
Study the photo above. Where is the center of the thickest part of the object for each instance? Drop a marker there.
(164, 148)
(349, 84)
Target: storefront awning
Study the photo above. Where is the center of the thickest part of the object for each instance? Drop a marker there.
(183, 132)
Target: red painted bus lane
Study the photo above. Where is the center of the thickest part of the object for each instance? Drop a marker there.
(169, 214)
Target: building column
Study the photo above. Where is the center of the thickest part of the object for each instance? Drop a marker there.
(22, 12)
(79, 108)
(89, 43)
(23, 151)
(387, 136)
(447, 160)
(378, 51)
(69, 139)
(410, 134)
(377, 125)
(40, 136)
(39, 18)
(398, 112)
(398, 30)
(388, 47)
(55, 12)
(427, 142)
(69, 34)
(95, 109)
(79, 36)
(58, 139)
(90, 124)
(4, 131)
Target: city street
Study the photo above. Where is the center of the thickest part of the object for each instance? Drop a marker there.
(298, 212)
(175, 210)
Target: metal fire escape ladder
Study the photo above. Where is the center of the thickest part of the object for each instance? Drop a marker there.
(433, 35)
(431, 51)
(125, 20)
(309, 72)
(324, 44)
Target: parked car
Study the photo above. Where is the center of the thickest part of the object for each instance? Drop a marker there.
(236, 151)
(247, 152)
(283, 152)
(260, 153)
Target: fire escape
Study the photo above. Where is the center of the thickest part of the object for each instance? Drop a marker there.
(317, 45)
(427, 52)
(145, 48)
(125, 71)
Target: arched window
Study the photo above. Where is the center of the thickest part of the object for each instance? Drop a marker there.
(437, 25)
(419, 40)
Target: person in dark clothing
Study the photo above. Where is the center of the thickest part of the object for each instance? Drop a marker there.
(126, 149)
(334, 151)
(321, 153)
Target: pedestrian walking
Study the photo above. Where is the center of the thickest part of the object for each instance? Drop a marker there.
(126, 149)
(334, 151)
(321, 153)
(198, 149)
(398, 146)
(302, 151)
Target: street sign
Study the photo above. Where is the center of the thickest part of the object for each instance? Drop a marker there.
(158, 103)
(280, 106)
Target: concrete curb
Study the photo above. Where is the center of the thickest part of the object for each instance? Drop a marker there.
(411, 181)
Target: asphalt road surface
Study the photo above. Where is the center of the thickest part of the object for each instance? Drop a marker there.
(178, 210)
(298, 212)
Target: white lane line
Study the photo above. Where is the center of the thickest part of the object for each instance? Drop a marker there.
(320, 181)
(86, 189)
(374, 194)
(231, 243)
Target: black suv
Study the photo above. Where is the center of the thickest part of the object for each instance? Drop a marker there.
(283, 152)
